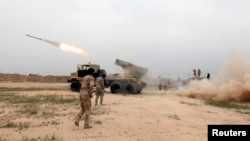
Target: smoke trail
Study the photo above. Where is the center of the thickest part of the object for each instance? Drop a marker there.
(233, 84)
(57, 44)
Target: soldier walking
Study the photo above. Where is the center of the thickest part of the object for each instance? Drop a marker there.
(99, 83)
(85, 98)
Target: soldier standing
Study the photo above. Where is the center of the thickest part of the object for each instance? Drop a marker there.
(199, 73)
(208, 75)
(85, 98)
(194, 70)
(99, 83)
(159, 86)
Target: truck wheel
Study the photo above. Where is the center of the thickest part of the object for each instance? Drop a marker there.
(75, 86)
(139, 91)
(130, 88)
(116, 87)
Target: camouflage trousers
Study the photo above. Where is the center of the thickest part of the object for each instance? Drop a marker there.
(99, 93)
(85, 102)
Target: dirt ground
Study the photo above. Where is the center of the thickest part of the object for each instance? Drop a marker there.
(151, 116)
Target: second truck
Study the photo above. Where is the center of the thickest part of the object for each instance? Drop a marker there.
(131, 82)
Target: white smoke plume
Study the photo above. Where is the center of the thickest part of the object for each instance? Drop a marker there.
(233, 84)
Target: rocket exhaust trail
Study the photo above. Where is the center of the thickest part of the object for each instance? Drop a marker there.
(62, 46)
(57, 44)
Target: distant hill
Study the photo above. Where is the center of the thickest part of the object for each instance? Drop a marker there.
(33, 78)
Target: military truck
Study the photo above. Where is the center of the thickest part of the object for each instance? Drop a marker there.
(131, 82)
(76, 77)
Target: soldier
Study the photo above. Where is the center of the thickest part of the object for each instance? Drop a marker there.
(199, 73)
(99, 83)
(208, 75)
(160, 85)
(194, 70)
(85, 98)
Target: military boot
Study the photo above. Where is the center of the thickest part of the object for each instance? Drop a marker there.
(77, 123)
(77, 118)
(87, 126)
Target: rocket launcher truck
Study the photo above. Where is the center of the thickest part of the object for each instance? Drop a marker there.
(131, 82)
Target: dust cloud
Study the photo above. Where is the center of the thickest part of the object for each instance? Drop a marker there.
(232, 84)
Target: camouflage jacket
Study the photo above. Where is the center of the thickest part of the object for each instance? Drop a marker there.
(99, 82)
(88, 84)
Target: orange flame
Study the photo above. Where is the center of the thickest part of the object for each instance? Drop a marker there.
(71, 48)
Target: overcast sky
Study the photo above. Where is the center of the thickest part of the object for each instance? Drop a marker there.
(169, 37)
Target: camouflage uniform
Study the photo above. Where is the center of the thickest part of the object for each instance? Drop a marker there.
(85, 100)
(99, 83)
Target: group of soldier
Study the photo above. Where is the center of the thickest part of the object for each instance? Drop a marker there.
(164, 83)
(86, 93)
(197, 73)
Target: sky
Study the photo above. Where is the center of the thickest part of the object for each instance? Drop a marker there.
(169, 37)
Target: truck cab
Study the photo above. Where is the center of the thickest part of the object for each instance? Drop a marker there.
(76, 77)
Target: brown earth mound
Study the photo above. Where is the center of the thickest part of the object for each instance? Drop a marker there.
(32, 78)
